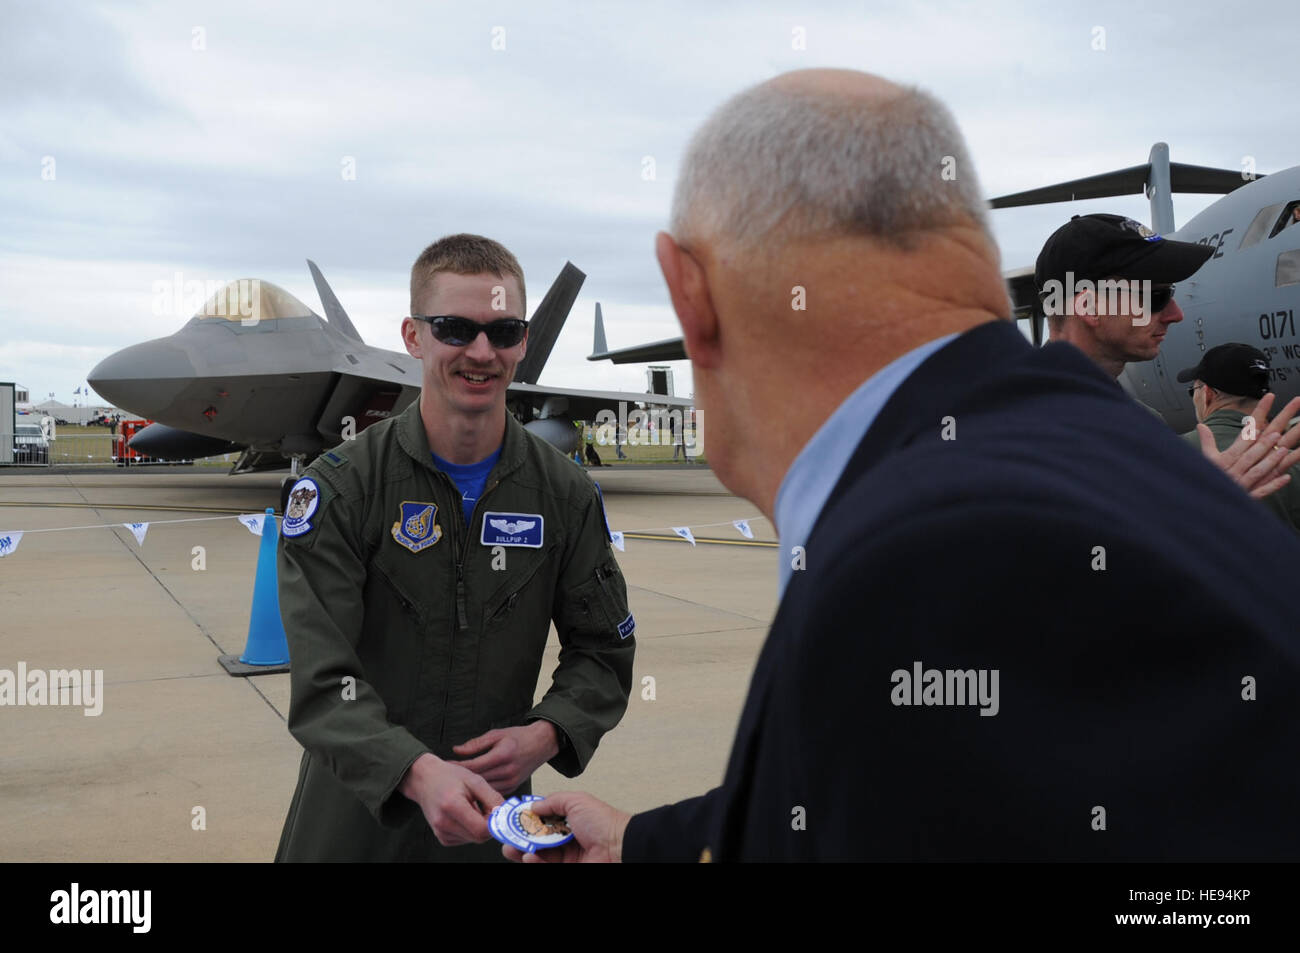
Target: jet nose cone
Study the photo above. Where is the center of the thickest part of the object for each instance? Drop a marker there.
(144, 377)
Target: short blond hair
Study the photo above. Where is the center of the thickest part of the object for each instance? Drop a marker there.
(465, 254)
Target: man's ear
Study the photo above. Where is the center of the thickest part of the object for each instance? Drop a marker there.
(688, 288)
(411, 337)
(1085, 308)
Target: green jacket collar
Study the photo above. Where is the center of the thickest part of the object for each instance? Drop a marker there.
(412, 438)
(1225, 416)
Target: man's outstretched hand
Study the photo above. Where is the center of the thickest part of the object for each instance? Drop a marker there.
(597, 831)
(1259, 466)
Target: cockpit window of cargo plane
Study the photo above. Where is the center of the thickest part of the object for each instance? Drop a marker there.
(1288, 268)
(1288, 218)
(1261, 225)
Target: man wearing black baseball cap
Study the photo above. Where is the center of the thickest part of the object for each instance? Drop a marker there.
(1106, 285)
(1228, 384)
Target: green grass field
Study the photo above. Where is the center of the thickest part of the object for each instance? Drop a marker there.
(94, 445)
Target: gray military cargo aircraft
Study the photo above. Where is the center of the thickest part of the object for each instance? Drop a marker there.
(1247, 292)
(282, 385)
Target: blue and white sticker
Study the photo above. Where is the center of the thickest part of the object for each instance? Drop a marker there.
(626, 627)
(512, 529)
(303, 499)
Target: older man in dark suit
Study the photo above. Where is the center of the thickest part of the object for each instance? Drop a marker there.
(1000, 636)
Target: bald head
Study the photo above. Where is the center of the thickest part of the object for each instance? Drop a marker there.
(824, 223)
(825, 153)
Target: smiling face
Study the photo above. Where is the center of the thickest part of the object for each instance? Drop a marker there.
(467, 380)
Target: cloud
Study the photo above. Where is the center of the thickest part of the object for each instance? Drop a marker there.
(228, 157)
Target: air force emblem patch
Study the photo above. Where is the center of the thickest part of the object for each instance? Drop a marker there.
(415, 528)
(512, 529)
(302, 504)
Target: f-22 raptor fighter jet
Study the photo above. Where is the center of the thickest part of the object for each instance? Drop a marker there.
(285, 384)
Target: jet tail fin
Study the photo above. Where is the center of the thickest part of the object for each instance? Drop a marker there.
(548, 320)
(334, 313)
(598, 345)
(1158, 178)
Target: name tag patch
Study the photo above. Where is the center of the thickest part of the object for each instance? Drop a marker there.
(512, 529)
(626, 627)
(302, 504)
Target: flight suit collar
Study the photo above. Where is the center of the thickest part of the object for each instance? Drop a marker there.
(1226, 415)
(415, 442)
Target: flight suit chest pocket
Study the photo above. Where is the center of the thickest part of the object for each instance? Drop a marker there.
(391, 647)
(519, 588)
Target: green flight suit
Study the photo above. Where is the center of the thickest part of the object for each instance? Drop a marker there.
(1226, 426)
(409, 633)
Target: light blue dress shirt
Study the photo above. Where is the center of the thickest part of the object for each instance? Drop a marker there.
(820, 464)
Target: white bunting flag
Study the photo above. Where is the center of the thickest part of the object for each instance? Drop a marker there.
(616, 538)
(743, 527)
(138, 529)
(9, 541)
(685, 533)
(254, 522)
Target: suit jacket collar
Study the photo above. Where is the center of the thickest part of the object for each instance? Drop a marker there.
(932, 391)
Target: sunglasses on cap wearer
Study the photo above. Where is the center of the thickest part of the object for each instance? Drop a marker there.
(460, 332)
(1160, 298)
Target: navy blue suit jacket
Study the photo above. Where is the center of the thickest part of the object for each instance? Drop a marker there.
(1147, 710)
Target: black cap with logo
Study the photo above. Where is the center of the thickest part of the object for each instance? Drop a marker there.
(1236, 369)
(1100, 246)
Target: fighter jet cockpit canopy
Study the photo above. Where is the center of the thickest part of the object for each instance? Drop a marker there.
(248, 300)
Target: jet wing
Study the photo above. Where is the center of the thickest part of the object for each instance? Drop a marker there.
(585, 404)
(380, 364)
(669, 349)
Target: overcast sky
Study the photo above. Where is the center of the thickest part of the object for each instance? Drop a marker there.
(138, 140)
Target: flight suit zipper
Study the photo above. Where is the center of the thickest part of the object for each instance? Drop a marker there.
(462, 613)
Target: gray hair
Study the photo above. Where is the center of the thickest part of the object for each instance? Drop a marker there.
(781, 163)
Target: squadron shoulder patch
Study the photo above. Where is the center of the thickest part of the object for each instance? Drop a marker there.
(303, 499)
(512, 529)
(415, 527)
(626, 627)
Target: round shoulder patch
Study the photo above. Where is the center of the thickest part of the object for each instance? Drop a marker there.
(303, 499)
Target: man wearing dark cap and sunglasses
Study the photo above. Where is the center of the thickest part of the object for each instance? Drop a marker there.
(1227, 386)
(1107, 286)
(423, 562)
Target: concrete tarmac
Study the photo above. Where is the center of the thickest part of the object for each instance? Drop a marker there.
(186, 763)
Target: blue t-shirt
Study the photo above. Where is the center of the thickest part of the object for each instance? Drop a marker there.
(469, 479)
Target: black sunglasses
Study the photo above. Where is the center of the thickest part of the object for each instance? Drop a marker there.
(460, 332)
(1160, 298)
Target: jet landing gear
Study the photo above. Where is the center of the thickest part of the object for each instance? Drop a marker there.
(286, 483)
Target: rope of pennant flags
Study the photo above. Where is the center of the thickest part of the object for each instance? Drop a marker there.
(617, 537)
(9, 539)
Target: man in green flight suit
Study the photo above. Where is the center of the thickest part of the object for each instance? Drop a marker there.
(421, 566)
(1229, 382)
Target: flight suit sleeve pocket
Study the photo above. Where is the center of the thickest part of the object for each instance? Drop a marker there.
(598, 606)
